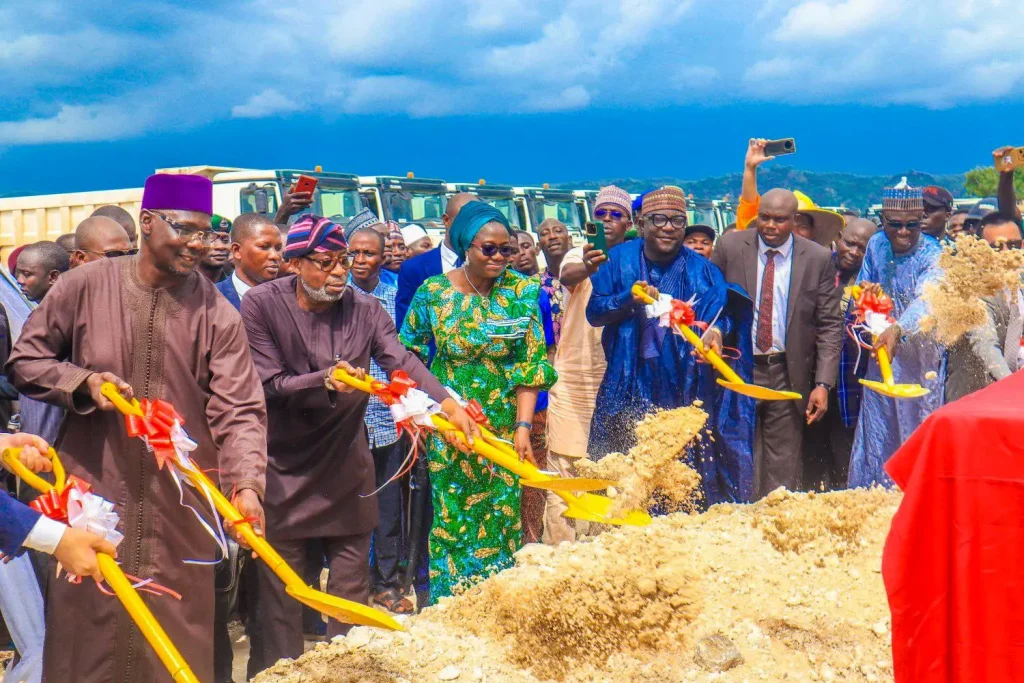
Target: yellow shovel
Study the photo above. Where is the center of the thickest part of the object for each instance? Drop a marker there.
(888, 386)
(586, 506)
(731, 380)
(342, 610)
(113, 575)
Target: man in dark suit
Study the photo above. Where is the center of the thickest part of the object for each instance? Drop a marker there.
(256, 247)
(797, 331)
(439, 260)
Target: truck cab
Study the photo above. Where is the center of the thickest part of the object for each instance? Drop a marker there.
(501, 197)
(248, 191)
(541, 203)
(407, 200)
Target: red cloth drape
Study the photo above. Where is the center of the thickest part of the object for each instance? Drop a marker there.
(954, 560)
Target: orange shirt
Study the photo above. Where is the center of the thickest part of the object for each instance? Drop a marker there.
(747, 212)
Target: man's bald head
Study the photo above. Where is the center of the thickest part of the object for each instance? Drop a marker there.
(861, 227)
(67, 242)
(454, 205)
(39, 265)
(97, 236)
(123, 218)
(776, 217)
(249, 225)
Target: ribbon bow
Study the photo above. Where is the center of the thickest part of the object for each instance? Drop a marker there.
(162, 431)
(872, 313)
(55, 505)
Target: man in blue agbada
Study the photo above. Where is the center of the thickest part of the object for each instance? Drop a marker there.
(902, 261)
(649, 367)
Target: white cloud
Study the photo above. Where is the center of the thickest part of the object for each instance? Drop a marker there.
(818, 20)
(71, 74)
(267, 103)
(75, 124)
(574, 97)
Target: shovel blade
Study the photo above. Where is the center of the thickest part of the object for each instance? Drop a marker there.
(760, 393)
(592, 508)
(896, 390)
(571, 485)
(342, 610)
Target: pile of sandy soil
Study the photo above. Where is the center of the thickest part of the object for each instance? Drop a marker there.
(970, 271)
(792, 583)
(651, 472)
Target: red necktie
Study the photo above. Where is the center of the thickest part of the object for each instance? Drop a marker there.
(764, 311)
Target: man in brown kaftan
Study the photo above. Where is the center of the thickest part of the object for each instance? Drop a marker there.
(157, 329)
(320, 474)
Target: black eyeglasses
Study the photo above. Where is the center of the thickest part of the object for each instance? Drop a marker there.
(187, 233)
(605, 213)
(329, 263)
(489, 250)
(660, 220)
(909, 225)
(113, 253)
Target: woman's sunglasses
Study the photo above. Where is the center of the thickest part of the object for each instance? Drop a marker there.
(609, 213)
(489, 250)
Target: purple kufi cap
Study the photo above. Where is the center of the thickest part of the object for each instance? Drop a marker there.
(166, 192)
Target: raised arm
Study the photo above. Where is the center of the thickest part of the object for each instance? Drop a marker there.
(1006, 194)
(611, 301)
(750, 200)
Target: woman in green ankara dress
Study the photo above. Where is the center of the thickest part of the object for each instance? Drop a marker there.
(485, 322)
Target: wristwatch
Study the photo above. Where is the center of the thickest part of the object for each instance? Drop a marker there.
(525, 425)
(828, 387)
(327, 380)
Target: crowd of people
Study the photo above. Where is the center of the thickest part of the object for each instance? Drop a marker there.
(242, 325)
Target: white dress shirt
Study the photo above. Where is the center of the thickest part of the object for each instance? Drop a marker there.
(45, 535)
(240, 286)
(783, 270)
(448, 259)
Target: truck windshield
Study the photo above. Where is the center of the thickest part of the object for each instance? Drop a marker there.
(507, 208)
(336, 202)
(565, 211)
(701, 215)
(414, 207)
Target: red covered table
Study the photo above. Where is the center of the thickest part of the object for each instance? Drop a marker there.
(954, 560)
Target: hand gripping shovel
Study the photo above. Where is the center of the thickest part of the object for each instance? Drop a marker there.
(888, 386)
(112, 574)
(730, 380)
(586, 506)
(337, 608)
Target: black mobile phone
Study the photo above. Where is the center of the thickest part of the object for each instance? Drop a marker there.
(775, 148)
(594, 231)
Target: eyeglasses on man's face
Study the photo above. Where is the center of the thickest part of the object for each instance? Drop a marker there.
(328, 263)
(186, 233)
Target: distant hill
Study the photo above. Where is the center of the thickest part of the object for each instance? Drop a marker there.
(825, 188)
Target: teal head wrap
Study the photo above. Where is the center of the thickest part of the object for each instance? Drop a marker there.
(470, 219)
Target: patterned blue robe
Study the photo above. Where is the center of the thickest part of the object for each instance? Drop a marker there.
(885, 423)
(656, 370)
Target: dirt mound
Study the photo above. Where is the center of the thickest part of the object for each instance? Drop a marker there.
(793, 582)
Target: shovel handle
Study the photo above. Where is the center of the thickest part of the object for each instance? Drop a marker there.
(144, 619)
(885, 366)
(113, 575)
(122, 404)
(708, 354)
(10, 458)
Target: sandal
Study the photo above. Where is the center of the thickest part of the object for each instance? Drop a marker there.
(392, 601)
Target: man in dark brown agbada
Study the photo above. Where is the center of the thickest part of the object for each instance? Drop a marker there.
(320, 474)
(157, 329)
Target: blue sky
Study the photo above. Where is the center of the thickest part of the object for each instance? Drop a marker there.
(518, 91)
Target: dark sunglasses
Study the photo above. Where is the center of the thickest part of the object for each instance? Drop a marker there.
(909, 225)
(489, 250)
(1006, 245)
(660, 220)
(605, 213)
(329, 263)
(113, 253)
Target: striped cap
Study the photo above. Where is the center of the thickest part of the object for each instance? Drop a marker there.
(363, 219)
(902, 197)
(615, 196)
(313, 233)
(662, 199)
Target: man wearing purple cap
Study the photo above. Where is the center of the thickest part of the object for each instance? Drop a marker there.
(162, 327)
(320, 474)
